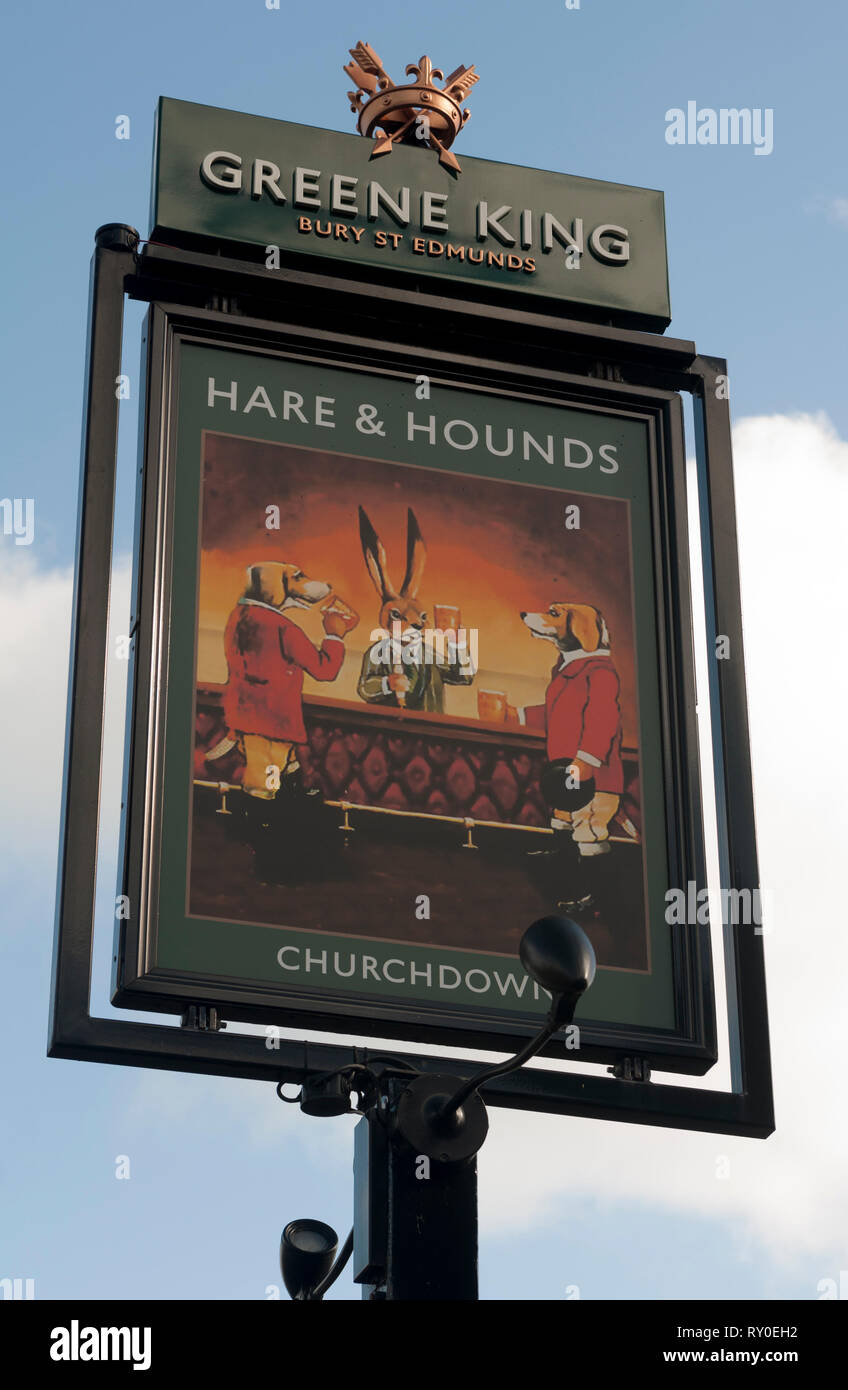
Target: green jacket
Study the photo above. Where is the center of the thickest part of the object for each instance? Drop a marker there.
(426, 683)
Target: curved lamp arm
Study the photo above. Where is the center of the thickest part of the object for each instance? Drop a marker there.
(499, 1069)
(330, 1278)
(558, 954)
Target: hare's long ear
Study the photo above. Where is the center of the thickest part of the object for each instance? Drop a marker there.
(416, 554)
(375, 557)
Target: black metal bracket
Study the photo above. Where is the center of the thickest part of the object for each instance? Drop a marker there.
(204, 1017)
(631, 1069)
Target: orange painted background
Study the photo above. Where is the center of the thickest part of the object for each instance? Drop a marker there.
(493, 549)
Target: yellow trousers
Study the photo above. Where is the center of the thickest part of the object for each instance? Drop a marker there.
(268, 761)
(590, 825)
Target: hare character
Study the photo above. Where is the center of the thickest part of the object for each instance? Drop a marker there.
(405, 674)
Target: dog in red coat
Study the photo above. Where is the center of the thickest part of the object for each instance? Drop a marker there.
(581, 720)
(268, 656)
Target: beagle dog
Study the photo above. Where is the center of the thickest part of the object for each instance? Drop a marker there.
(281, 585)
(581, 721)
(570, 626)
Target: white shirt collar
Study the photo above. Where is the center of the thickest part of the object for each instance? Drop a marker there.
(272, 607)
(568, 657)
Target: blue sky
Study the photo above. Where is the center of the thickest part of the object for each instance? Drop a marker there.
(757, 252)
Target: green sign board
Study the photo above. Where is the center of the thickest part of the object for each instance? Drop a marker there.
(402, 619)
(290, 189)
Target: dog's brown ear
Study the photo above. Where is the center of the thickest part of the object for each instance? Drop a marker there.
(375, 557)
(254, 582)
(267, 583)
(416, 555)
(583, 626)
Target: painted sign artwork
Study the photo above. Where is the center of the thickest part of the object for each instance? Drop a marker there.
(424, 688)
(410, 702)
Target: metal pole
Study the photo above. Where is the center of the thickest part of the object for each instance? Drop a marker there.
(415, 1223)
(111, 262)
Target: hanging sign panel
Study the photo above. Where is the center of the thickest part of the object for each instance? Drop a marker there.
(408, 678)
(281, 188)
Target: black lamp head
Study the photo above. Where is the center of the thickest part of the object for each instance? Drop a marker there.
(326, 1095)
(307, 1251)
(559, 955)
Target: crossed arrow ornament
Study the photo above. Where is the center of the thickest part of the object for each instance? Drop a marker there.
(393, 113)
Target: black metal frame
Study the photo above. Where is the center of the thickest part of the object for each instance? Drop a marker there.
(624, 360)
(138, 982)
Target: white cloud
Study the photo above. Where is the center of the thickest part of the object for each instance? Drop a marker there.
(787, 1192)
(181, 1104)
(34, 619)
(839, 211)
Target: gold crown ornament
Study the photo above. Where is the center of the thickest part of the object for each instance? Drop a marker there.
(412, 113)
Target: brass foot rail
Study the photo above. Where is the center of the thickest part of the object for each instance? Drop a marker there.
(469, 823)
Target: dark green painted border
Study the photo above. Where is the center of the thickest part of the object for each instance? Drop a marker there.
(247, 952)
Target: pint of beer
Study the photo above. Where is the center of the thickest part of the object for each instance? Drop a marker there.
(446, 618)
(491, 706)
